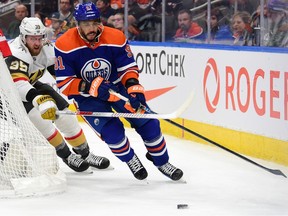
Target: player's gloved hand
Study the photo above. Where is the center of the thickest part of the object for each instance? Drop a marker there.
(136, 96)
(46, 106)
(101, 88)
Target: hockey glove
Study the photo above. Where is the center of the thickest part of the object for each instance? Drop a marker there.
(100, 88)
(136, 96)
(46, 106)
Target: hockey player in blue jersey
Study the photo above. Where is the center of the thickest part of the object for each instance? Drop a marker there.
(92, 60)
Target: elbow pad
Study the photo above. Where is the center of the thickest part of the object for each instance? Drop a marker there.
(130, 82)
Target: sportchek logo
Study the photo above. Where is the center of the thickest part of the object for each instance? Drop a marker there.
(260, 91)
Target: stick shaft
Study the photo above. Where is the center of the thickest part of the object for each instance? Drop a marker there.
(273, 171)
(119, 115)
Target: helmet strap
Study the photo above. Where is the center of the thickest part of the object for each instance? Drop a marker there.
(23, 39)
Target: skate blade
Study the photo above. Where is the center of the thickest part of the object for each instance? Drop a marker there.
(140, 182)
(180, 181)
(88, 171)
(110, 168)
(144, 181)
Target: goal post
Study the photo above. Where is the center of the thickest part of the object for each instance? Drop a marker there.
(28, 163)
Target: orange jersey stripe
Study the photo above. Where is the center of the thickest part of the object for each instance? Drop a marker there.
(72, 88)
(130, 74)
(122, 149)
(157, 149)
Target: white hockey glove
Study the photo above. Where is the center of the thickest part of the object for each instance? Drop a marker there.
(46, 106)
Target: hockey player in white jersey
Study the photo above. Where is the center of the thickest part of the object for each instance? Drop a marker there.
(31, 56)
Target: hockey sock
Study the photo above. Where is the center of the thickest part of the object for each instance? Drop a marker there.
(63, 150)
(82, 149)
(154, 142)
(113, 134)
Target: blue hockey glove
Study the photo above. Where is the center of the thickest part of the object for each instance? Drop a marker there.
(136, 96)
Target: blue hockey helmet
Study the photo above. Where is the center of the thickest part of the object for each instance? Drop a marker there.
(86, 11)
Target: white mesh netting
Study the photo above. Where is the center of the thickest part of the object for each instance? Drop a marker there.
(28, 163)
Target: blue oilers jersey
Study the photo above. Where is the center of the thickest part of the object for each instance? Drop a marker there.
(76, 60)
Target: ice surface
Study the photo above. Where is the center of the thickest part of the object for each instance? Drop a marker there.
(218, 183)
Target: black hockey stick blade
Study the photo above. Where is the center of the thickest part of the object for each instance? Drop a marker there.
(276, 172)
(273, 171)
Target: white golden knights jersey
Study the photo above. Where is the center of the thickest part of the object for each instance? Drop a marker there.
(25, 69)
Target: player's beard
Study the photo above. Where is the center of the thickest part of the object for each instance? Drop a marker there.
(91, 36)
(35, 50)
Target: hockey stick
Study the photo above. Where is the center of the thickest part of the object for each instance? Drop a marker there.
(172, 115)
(273, 171)
(120, 115)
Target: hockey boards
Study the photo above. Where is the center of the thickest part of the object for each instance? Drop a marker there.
(172, 115)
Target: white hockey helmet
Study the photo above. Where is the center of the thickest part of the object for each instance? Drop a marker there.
(31, 26)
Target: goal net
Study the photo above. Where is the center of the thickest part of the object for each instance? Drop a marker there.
(28, 163)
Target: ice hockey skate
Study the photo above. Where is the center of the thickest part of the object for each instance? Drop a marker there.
(76, 163)
(98, 162)
(168, 169)
(137, 168)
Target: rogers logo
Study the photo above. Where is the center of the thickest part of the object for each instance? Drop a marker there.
(211, 70)
(246, 89)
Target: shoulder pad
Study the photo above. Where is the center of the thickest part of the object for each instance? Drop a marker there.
(20, 51)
